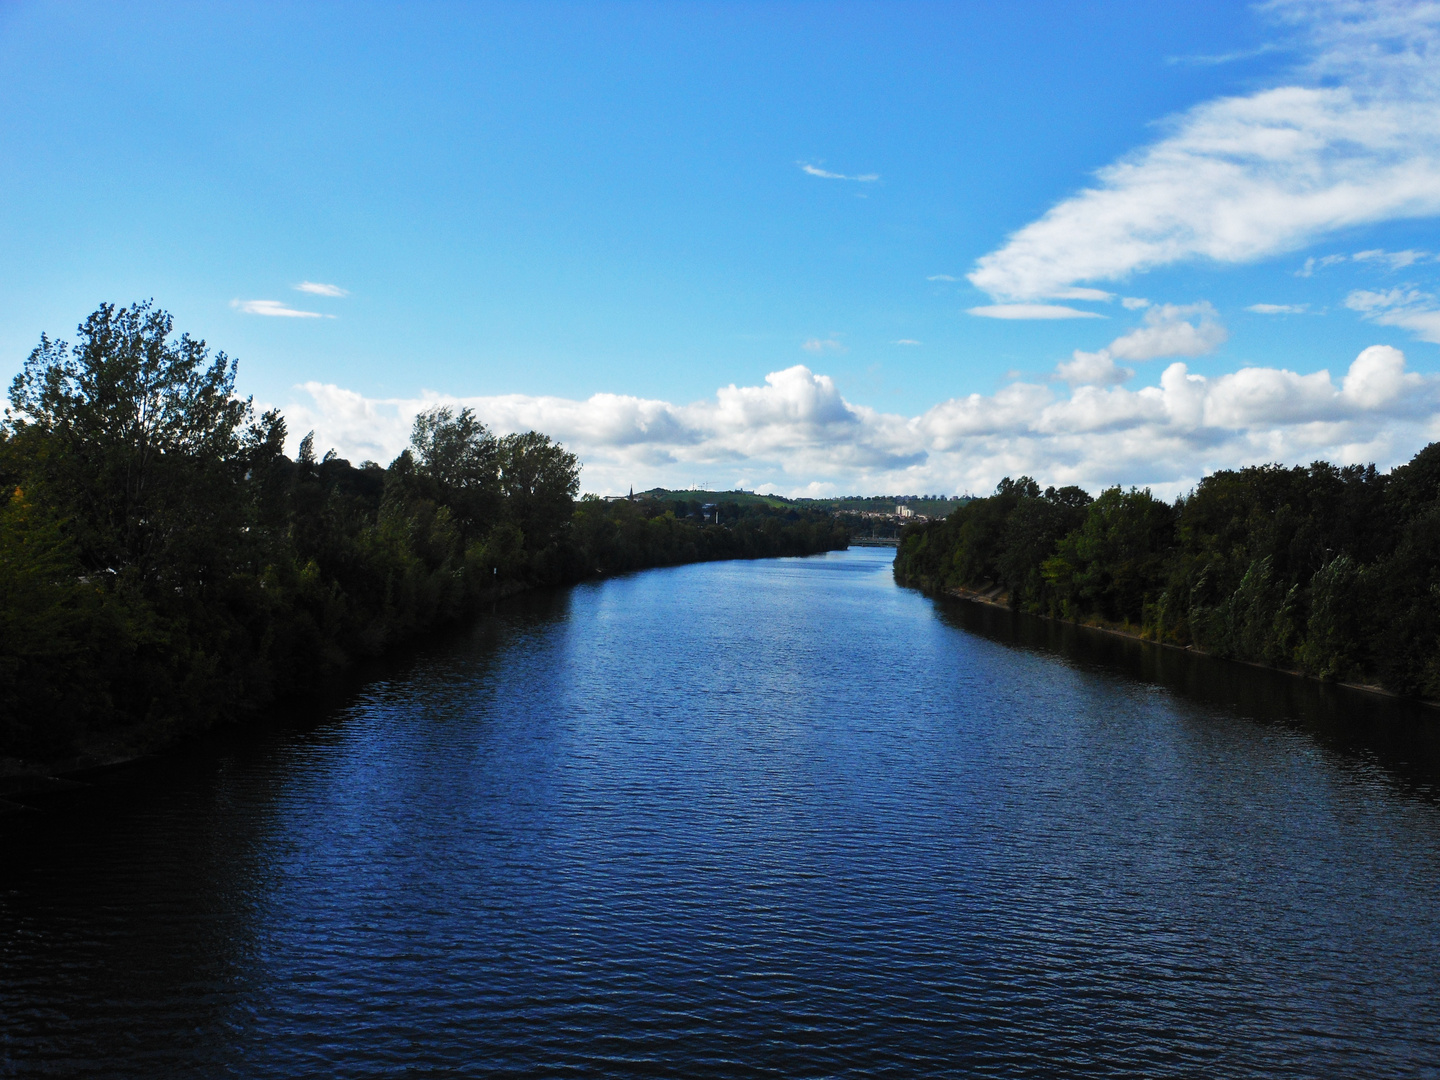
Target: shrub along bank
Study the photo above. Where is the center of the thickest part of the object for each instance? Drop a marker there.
(1332, 571)
(165, 566)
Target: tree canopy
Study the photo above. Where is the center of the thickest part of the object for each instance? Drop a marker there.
(165, 566)
(1331, 570)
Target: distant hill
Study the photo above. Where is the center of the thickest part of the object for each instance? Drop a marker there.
(931, 506)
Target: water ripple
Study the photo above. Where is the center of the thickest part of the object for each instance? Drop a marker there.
(750, 819)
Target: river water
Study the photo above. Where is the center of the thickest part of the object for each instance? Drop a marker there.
(774, 818)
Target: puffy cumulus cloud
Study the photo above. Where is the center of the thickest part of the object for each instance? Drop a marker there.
(1168, 330)
(1091, 369)
(797, 434)
(361, 428)
(1172, 330)
(1356, 141)
(1378, 378)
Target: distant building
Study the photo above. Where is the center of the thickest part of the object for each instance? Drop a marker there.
(904, 511)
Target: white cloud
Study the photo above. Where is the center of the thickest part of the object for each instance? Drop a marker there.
(815, 170)
(1367, 302)
(1279, 309)
(1378, 377)
(1395, 260)
(907, 341)
(820, 345)
(1134, 303)
(941, 277)
(1243, 178)
(1224, 58)
(1405, 307)
(1091, 369)
(1078, 293)
(797, 433)
(1313, 264)
(1169, 331)
(1031, 311)
(274, 308)
(320, 289)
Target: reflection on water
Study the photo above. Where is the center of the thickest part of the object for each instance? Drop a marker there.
(774, 818)
(1402, 737)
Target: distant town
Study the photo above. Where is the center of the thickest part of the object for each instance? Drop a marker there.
(878, 517)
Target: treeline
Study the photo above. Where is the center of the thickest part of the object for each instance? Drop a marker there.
(624, 535)
(164, 565)
(1332, 571)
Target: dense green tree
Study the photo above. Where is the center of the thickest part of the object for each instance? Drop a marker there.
(457, 462)
(1114, 563)
(137, 439)
(1034, 527)
(164, 565)
(539, 480)
(1332, 570)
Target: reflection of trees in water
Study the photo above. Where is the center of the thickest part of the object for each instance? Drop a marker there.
(1401, 736)
(141, 900)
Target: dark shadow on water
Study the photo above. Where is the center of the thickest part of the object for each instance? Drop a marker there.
(1401, 737)
(195, 763)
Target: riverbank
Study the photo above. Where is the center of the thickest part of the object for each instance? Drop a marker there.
(997, 597)
(26, 783)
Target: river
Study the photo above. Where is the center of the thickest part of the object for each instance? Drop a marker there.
(776, 818)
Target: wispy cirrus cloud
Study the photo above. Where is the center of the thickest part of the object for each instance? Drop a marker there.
(275, 309)
(1354, 139)
(821, 345)
(1406, 307)
(824, 174)
(1391, 260)
(321, 289)
(1312, 264)
(1279, 309)
(1031, 311)
(1394, 260)
(908, 341)
(1216, 59)
(798, 434)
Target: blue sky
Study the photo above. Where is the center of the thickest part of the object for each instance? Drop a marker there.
(759, 245)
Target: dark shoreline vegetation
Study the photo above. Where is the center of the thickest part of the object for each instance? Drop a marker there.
(165, 567)
(1328, 571)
